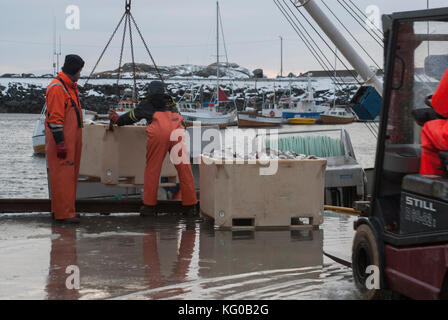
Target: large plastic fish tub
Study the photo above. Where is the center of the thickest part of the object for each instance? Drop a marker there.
(118, 157)
(236, 195)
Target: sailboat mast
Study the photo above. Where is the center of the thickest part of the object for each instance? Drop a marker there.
(54, 47)
(217, 53)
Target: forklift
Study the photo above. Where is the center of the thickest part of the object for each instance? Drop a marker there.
(403, 229)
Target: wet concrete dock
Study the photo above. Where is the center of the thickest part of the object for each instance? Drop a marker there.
(170, 257)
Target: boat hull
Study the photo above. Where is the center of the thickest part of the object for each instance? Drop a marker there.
(326, 119)
(246, 120)
(288, 115)
(206, 124)
(303, 121)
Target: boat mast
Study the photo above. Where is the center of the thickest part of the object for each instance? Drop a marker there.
(217, 53)
(342, 44)
(281, 56)
(54, 47)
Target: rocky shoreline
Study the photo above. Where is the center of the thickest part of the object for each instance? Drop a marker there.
(18, 97)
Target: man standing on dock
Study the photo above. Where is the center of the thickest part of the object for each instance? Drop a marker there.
(159, 111)
(63, 134)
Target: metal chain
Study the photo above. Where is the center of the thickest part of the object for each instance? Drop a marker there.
(133, 61)
(147, 49)
(104, 50)
(121, 55)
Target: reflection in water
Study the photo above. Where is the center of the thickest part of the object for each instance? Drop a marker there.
(62, 255)
(126, 257)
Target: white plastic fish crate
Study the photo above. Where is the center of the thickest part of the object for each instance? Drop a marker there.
(118, 157)
(237, 196)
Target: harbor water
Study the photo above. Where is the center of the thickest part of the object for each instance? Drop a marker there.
(126, 257)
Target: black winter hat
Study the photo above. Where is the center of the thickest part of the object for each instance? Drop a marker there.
(73, 63)
(156, 87)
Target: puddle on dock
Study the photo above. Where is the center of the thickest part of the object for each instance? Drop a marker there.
(128, 257)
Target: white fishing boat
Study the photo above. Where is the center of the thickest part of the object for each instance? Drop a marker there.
(39, 133)
(38, 137)
(269, 116)
(306, 107)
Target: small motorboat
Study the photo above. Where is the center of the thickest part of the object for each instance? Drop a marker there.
(337, 116)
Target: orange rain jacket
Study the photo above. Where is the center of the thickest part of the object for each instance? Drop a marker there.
(434, 136)
(162, 119)
(63, 123)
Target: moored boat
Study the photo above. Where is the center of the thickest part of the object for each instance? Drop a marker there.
(337, 116)
(306, 121)
(249, 119)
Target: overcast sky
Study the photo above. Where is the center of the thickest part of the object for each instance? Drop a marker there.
(177, 31)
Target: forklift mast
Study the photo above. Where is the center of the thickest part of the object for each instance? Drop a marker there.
(415, 57)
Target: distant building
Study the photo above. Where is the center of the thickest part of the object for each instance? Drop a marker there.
(339, 73)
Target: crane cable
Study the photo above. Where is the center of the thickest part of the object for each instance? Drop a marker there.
(307, 43)
(105, 48)
(318, 47)
(376, 29)
(351, 34)
(326, 43)
(348, 9)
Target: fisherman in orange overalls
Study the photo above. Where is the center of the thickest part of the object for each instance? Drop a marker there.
(63, 134)
(434, 136)
(159, 111)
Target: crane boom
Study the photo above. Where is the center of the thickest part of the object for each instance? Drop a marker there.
(342, 44)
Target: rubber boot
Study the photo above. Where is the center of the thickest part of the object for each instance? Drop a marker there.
(148, 211)
(74, 220)
(190, 211)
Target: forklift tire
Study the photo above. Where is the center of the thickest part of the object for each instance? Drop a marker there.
(365, 253)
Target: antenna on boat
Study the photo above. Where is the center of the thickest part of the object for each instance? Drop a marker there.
(217, 54)
(281, 56)
(58, 54)
(54, 46)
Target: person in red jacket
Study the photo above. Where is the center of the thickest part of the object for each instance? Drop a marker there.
(162, 118)
(63, 134)
(434, 135)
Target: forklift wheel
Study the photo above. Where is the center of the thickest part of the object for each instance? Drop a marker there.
(365, 253)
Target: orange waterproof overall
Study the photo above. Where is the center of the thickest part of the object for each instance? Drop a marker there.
(434, 136)
(159, 133)
(63, 173)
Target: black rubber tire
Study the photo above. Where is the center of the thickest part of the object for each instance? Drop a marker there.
(364, 253)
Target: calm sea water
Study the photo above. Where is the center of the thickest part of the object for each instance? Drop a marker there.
(126, 258)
